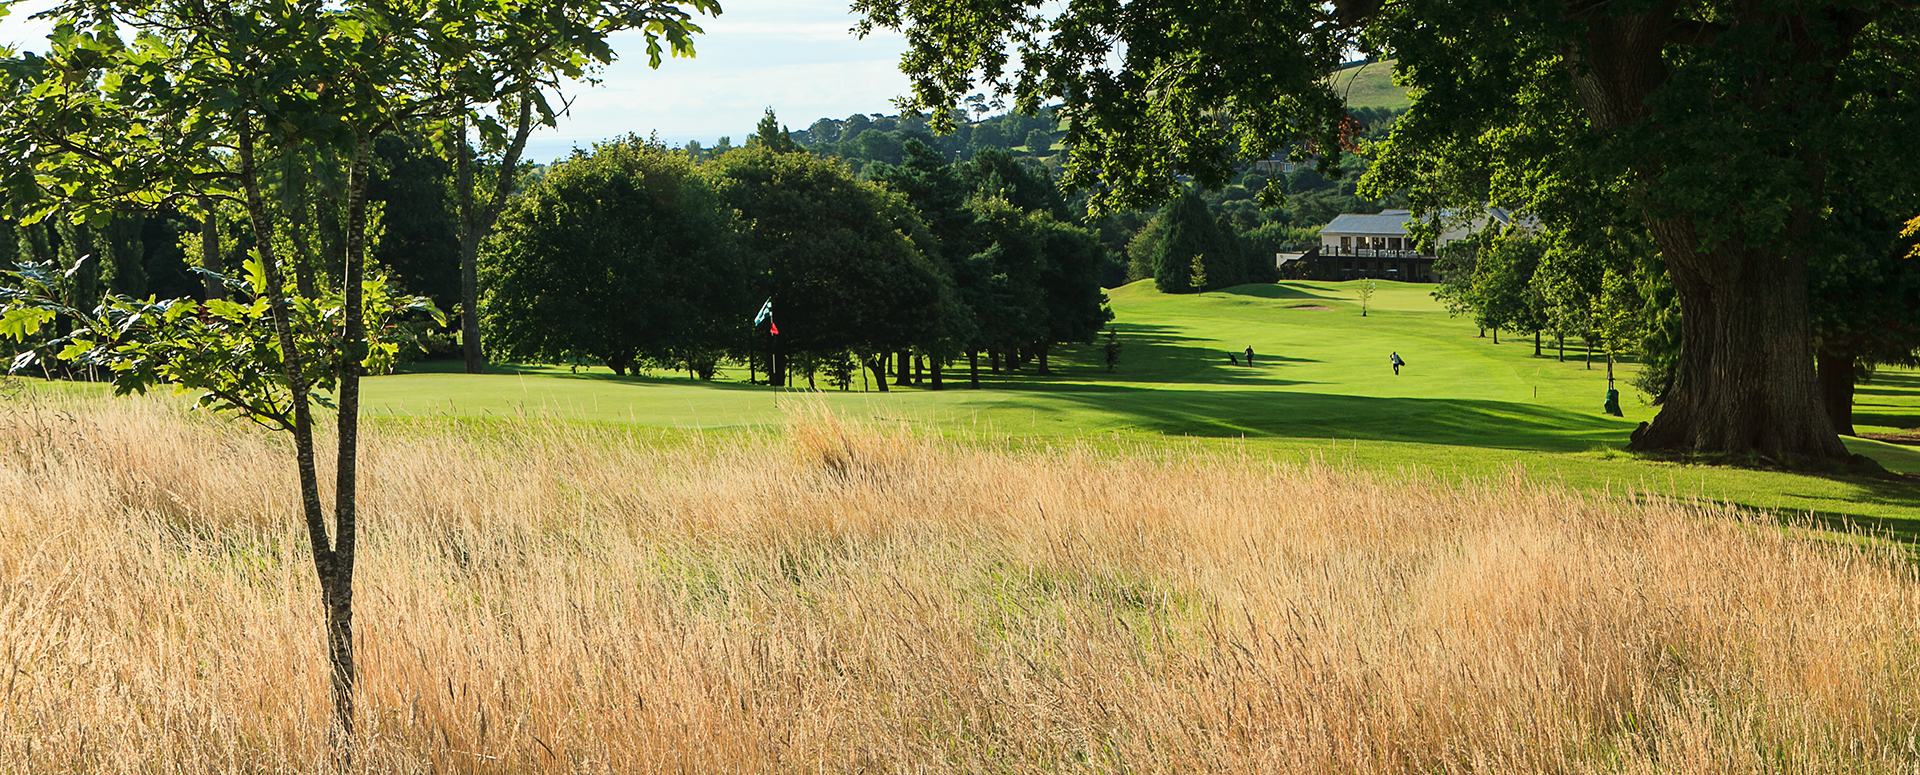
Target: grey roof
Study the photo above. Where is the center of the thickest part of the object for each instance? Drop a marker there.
(1393, 223)
(1385, 225)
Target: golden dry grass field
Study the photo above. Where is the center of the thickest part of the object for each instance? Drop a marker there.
(830, 598)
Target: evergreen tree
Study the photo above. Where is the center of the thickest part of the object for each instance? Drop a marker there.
(772, 136)
(1027, 186)
(1191, 231)
(123, 259)
(936, 189)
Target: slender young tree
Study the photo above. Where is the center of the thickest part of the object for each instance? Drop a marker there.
(219, 93)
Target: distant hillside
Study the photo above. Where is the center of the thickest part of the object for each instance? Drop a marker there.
(1371, 86)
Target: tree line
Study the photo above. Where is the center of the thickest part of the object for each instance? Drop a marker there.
(895, 274)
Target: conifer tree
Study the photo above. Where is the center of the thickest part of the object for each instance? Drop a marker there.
(1191, 233)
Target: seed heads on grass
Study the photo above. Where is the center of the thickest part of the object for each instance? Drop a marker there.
(838, 596)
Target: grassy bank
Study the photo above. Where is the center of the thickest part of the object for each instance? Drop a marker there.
(823, 597)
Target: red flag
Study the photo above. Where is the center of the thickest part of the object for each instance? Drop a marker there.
(775, 327)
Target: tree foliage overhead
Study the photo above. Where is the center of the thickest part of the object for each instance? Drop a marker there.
(1147, 89)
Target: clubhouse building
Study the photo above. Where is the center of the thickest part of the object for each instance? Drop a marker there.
(1378, 247)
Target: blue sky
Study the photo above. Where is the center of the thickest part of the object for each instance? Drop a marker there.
(795, 56)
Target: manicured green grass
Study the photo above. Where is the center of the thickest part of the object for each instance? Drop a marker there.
(1322, 389)
(1371, 86)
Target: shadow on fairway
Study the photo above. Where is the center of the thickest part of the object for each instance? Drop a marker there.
(1901, 421)
(1888, 383)
(1161, 354)
(1902, 494)
(1472, 423)
(1280, 291)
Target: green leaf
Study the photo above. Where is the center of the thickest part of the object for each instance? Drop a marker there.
(226, 309)
(256, 275)
(76, 349)
(18, 324)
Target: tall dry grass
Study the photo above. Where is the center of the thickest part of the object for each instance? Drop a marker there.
(560, 598)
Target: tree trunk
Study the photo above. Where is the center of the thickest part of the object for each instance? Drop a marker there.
(1562, 344)
(1536, 344)
(1042, 348)
(1745, 381)
(346, 468)
(1496, 335)
(933, 371)
(993, 361)
(470, 345)
(325, 556)
(469, 240)
(477, 219)
(1589, 342)
(210, 248)
(903, 369)
(973, 369)
(879, 366)
(1836, 390)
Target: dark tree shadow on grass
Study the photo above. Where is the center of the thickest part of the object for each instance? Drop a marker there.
(1471, 423)
(1902, 494)
(1885, 420)
(1282, 290)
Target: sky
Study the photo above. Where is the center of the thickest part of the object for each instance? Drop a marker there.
(795, 56)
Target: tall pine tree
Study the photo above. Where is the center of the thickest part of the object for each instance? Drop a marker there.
(1190, 231)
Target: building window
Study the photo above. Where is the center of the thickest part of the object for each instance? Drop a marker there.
(1393, 243)
(1346, 243)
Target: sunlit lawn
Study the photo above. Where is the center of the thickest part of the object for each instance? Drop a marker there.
(1322, 387)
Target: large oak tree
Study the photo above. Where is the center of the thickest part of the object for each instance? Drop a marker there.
(1717, 126)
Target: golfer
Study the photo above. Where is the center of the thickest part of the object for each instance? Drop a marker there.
(1397, 363)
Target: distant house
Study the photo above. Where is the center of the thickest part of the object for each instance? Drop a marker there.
(1379, 247)
(1282, 165)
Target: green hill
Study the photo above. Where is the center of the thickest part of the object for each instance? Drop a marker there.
(1371, 86)
(1322, 388)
